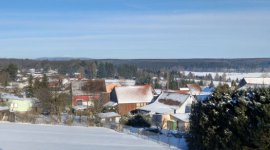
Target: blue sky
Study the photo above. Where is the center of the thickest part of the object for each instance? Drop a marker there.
(135, 28)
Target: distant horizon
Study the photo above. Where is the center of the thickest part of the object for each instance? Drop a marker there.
(88, 58)
(131, 29)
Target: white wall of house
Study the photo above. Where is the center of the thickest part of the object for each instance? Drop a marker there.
(185, 107)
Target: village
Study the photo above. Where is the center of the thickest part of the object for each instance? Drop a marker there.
(40, 97)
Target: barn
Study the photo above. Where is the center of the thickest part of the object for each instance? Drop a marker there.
(129, 98)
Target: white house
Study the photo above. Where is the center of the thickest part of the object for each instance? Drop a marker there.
(168, 104)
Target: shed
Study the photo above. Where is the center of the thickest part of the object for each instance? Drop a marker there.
(109, 117)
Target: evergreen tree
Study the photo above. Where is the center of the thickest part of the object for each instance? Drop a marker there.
(12, 70)
(30, 89)
(217, 77)
(45, 81)
(37, 84)
(224, 77)
(173, 84)
(101, 71)
(211, 84)
(127, 71)
(231, 120)
(94, 70)
(110, 70)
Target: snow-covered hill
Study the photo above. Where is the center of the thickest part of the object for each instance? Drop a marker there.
(48, 137)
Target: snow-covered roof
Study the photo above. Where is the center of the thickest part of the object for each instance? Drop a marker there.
(108, 115)
(8, 96)
(208, 89)
(258, 81)
(3, 108)
(194, 88)
(205, 94)
(110, 104)
(134, 94)
(80, 107)
(121, 82)
(184, 89)
(14, 97)
(166, 103)
(183, 116)
(158, 91)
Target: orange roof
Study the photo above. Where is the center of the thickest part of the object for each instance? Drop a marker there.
(185, 92)
(194, 87)
(110, 87)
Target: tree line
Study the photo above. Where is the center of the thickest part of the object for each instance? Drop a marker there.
(209, 65)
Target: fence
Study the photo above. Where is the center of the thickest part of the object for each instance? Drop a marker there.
(165, 139)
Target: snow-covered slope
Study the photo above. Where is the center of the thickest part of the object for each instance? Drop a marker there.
(47, 137)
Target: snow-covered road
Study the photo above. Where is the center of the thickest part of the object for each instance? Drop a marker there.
(48, 137)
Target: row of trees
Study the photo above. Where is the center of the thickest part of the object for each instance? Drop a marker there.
(106, 70)
(232, 120)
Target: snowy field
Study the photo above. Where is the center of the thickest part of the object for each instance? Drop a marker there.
(232, 75)
(15, 136)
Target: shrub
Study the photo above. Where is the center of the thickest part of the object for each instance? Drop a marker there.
(138, 121)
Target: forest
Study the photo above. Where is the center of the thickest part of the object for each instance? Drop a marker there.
(66, 65)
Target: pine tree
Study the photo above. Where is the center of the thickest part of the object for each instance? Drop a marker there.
(45, 81)
(30, 89)
(101, 71)
(238, 120)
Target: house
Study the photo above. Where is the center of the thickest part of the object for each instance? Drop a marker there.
(86, 92)
(4, 97)
(205, 94)
(129, 98)
(260, 82)
(112, 83)
(185, 91)
(179, 122)
(20, 105)
(167, 104)
(109, 118)
(194, 89)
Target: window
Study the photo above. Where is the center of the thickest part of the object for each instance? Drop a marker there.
(138, 105)
(79, 102)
